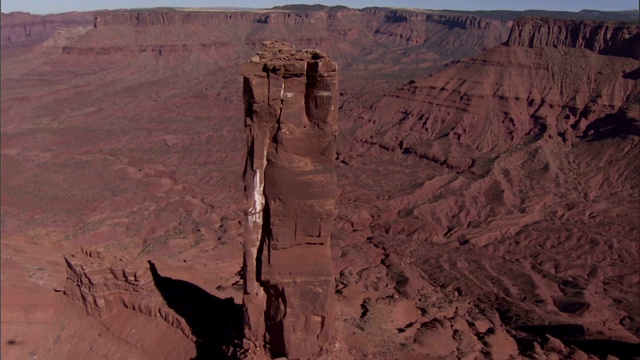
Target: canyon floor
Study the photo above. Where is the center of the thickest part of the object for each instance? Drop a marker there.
(488, 208)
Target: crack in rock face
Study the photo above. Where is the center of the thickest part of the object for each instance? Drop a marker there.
(290, 99)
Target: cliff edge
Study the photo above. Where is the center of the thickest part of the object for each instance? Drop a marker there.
(606, 38)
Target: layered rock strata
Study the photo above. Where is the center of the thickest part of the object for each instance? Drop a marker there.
(103, 285)
(20, 28)
(290, 101)
(168, 17)
(464, 35)
(607, 38)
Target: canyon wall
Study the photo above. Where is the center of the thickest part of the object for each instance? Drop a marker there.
(19, 28)
(151, 18)
(344, 24)
(607, 38)
(291, 126)
(378, 49)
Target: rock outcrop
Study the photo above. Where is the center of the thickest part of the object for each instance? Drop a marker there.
(607, 38)
(291, 101)
(119, 293)
(103, 285)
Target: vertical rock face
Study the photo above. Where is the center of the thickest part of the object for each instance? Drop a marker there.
(291, 105)
(607, 38)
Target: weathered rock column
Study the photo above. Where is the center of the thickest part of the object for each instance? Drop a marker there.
(291, 100)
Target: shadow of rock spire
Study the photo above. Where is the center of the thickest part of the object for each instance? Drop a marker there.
(215, 323)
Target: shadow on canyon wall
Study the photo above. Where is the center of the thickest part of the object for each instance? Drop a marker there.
(216, 323)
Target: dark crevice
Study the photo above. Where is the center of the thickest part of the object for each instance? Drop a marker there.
(365, 308)
(265, 237)
(275, 313)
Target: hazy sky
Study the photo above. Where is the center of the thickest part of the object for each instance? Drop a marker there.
(48, 6)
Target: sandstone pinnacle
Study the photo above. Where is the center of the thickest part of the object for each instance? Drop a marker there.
(290, 99)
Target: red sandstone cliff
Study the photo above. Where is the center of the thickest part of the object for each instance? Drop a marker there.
(291, 102)
(150, 18)
(600, 37)
(20, 28)
(400, 27)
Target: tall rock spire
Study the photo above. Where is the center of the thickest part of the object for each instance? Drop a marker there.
(291, 101)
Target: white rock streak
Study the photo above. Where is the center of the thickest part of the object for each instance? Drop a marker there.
(255, 219)
(255, 213)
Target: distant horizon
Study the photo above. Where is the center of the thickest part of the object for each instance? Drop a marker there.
(39, 7)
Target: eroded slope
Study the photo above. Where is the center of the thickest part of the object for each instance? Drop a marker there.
(512, 179)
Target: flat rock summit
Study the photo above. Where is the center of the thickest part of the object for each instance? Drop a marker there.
(174, 184)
